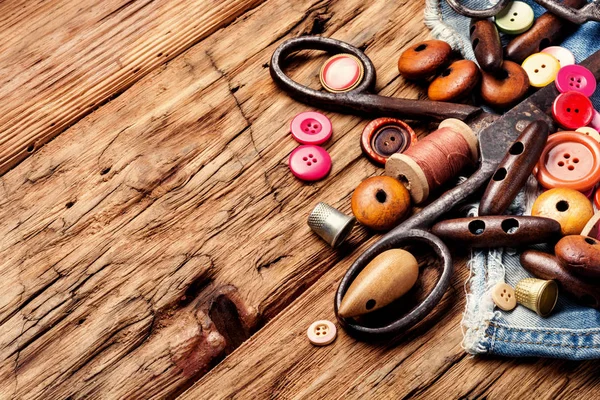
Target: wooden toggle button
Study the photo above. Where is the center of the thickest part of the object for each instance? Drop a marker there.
(486, 45)
(579, 254)
(456, 82)
(423, 60)
(386, 278)
(498, 231)
(570, 208)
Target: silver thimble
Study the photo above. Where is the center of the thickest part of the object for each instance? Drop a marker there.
(332, 225)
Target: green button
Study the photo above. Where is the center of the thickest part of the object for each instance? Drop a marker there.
(516, 18)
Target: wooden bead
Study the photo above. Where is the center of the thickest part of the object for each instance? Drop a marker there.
(380, 202)
(506, 88)
(424, 59)
(497, 231)
(579, 254)
(386, 278)
(486, 45)
(546, 266)
(456, 82)
(569, 207)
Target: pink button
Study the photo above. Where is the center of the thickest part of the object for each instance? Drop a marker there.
(576, 78)
(564, 56)
(596, 121)
(341, 73)
(311, 127)
(309, 162)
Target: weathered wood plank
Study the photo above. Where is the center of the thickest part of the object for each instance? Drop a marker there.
(61, 59)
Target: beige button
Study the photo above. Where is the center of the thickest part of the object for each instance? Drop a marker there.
(504, 296)
(322, 333)
(589, 131)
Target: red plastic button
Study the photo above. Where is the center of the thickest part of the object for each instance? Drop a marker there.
(572, 110)
(309, 162)
(576, 78)
(311, 127)
(569, 160)
(341, 73)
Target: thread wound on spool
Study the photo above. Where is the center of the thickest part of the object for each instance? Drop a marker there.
(432, 161)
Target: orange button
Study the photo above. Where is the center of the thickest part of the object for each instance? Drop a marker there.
(569, 160)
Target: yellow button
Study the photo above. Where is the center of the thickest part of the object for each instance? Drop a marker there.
(504, 296)
(589, 131)
(321, 333)
(541, 69)
(516, 18)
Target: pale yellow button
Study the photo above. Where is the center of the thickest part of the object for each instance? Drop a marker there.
(321, 333)
(541, 69)
(504, 296)
(517, 17)
(589, 131)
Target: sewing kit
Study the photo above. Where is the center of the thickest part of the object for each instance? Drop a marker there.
(533, 117)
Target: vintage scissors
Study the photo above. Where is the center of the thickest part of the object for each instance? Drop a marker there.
(496, 134)
(589, 12)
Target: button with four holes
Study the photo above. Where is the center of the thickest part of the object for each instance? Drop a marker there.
(564, 56)
(589, 131)
(569, 160)
(576, 78)
(321, 333)
(504, 296)
(516, 18)
(541, 69)
(383, 137)
(310, 162)
(311, 127)
(341, 73)
(572, 110)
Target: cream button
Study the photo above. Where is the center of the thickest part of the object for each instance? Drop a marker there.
(321, 333)
(589, 131)
(516, 18)
(504, 297)
(541, 69)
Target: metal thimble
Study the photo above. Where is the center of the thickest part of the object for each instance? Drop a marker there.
(332, 225)
(538, 295)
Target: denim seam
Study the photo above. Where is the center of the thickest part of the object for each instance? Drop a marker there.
(545, 343)
(536, 330)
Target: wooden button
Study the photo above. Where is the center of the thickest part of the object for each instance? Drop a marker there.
(380, 202)
(569, 160)
(456, 82)
(589, 131)
(580, 254)
(569, 207)
(541, 69)
(486, 45)
(516, 18)
(563, 55)
(506, 88)
(385, 279)
(572, 110)
(341, 73)
(383, 137)
(504, 296)
(424, 59)
(321, 333)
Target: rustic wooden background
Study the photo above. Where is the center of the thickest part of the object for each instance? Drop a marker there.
(161, 227)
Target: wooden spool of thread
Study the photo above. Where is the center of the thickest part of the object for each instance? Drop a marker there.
(434, 160)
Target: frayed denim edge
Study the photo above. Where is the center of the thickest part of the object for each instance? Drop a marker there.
(439, 29)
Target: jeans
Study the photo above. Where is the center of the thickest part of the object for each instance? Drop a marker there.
(571, 331)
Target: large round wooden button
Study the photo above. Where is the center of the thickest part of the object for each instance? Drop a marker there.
(516, 18)
(580, 254)
(563, 55)
(506, 88)
(569, 160)
(311, 127)
(321, 333)
(541, 69)
(341, 73)
(380, 202)
(424, 59)
(383, 137)
(569, 207)
(309, 162)
(504, 296)
(456, 82)
(576, 78)
(572, 110)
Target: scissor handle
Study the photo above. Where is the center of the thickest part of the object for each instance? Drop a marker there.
(483, 13)
(412, 229)
(589, 12)
(357, 100)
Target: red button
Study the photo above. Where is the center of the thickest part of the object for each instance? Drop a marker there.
(572, 110)
(341, 73)
(311, 127)
(310, 163)
(569, 160)
(597, 199)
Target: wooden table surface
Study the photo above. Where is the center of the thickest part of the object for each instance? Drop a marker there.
(161, 228)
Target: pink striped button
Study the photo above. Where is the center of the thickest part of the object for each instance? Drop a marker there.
(576, 78)
(564, 56)
(309, 162)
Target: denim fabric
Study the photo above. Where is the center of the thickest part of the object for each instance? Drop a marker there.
(572, 331)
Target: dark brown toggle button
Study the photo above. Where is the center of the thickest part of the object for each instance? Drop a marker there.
(506, 88)
(486, 45)
(498, 231)
(456, 82)
(546, 266)
(386, 136)
(579, 254)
